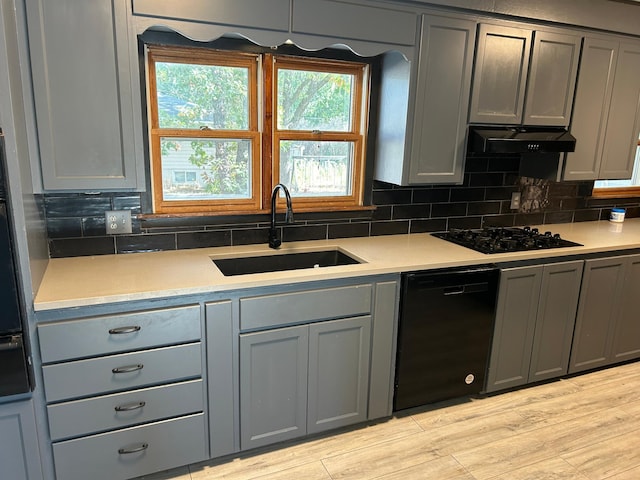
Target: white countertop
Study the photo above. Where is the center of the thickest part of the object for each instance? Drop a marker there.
(94, 280)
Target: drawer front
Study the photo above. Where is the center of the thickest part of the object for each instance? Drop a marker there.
(120, 410)
(84, 378)
(91, 337)
(169, 443)
(307, 306)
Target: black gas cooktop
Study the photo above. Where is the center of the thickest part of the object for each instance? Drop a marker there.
(505, 239)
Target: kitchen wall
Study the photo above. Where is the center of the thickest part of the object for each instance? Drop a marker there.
(76, 226)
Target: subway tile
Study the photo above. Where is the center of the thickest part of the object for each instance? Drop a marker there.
(94, 226)
(467, 194)
(431, 225)
(449, 210)
(558, 217)
(301, 233)
(347, 230)
(145, 243)
(504, 164)
(476, 164)
(500, 193)
(411, 211)
(78, 247)
(465, 222)
(431, 195)
(486, 179)
(382, 213)
(127, 203)
(483, 208)
(389, 228)
(498, 221)
(524, 219)
(64, 227)
(215, 238)
(392, 197)
(76, 206)
(249, 236)
(587, 215)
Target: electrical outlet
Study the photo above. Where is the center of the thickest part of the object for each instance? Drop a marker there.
(118, 221)
(515, 201)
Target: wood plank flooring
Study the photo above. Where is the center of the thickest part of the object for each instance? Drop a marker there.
(580, 428)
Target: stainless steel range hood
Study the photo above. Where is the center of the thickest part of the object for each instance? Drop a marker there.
(517, 139)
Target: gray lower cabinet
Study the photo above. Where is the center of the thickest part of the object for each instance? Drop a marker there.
(524, 76)
(304, 379)
(136, 404)
(607, 324)
(606, 119)
(534, 324)
(311, 360)
(19, 451)
(89, 128)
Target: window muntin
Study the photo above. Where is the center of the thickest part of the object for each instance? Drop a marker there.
(245, 122)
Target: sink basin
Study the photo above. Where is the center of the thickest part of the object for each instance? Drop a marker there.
(283, 261)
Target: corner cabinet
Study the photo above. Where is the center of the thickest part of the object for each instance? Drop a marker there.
(607, 324)
(19, 451)
(89, 126)
(524, 76)
(435, 150)
(534, 324)
(606, 119)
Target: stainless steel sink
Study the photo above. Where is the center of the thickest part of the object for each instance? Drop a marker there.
(283, 261)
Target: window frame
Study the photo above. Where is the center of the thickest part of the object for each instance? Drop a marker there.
(262, 131)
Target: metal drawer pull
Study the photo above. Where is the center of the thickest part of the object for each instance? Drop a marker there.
(130, 406)
(121, 330)
(128, 368)
(139, 448)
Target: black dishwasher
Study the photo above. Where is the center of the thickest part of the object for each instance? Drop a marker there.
(445, 331)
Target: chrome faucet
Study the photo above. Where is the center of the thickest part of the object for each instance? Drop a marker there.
(274, 241)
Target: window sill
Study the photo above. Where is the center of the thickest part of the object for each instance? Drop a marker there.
(627, 192)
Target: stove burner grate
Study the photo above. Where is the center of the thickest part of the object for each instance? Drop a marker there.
(505, 239)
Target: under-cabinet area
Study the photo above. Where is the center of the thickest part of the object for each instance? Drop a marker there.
(131, 393)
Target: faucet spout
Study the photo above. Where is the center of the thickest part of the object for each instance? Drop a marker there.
(274, 240)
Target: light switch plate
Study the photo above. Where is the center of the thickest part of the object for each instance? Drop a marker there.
(515, 201)
(118, 221)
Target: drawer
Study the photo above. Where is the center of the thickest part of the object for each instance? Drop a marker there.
(84, 378)
(169, 443)
(120, 410)
(91, 337)
(303, 307)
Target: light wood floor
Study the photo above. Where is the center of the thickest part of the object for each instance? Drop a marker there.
(584, 427)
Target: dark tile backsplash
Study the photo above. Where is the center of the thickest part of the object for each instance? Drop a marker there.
(76, 226)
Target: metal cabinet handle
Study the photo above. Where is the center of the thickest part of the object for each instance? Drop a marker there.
(127, 407)
(139, 448)
(128, 368)
(121, 330)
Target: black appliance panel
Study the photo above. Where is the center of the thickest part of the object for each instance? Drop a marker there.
(445, 332)
(520, 140)
(10, 313)
(14, 376)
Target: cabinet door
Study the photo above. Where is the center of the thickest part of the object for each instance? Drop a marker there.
(623, 123)
(338, 373)
(273, 385)
(515, 325)
(19, 453)
(443, 86)
(555, 320)
(502, 64)
(552, 79)
(626, 343)
(83, 93)
(591, 106)
(597, 310)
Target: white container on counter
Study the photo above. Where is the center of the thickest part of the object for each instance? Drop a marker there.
(617, 215)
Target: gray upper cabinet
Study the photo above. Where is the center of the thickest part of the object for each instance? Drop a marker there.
(270, 15)
(434, 151)
(502, 64)
(606, 117)
(88, 135)
(524, 77)
(340, 19)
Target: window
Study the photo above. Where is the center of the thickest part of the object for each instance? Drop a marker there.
(621, 188)
(242, 122)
